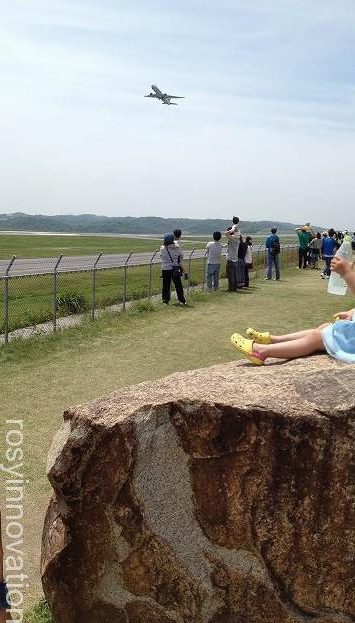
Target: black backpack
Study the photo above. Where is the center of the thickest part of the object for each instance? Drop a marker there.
(275, 247)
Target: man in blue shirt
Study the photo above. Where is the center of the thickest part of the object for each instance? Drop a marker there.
(329, 247)
(273, 251)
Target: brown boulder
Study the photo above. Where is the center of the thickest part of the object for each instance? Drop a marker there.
(222, 495)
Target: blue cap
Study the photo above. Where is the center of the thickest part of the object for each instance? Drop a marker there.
(169, 238)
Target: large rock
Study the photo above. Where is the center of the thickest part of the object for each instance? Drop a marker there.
(222, 495)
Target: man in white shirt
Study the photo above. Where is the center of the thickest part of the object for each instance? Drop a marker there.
(213, 254)
(232, 258)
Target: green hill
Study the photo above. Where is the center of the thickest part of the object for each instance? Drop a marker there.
(91, 223)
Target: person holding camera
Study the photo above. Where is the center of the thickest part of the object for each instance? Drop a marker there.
(232, 259)
(172, 270)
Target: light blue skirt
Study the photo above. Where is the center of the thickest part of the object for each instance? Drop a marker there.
(339, 340)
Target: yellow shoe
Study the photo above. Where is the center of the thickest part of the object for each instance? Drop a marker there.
(245, 347)
(258, 337)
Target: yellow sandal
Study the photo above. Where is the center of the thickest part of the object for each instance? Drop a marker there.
(258, 337)
(245, 347)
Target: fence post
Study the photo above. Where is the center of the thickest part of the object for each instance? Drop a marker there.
(6, 300)
(94, 286)
(259, 260)
(55, 293)
(266, 260)
(189, 269)
(150, 275)
(204, 270)
(282, 261)
(125, 282)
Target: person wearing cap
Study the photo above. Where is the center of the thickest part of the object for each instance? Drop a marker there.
(171, 258)
(4, 600)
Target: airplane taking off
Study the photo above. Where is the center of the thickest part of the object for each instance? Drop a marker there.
(164, 97)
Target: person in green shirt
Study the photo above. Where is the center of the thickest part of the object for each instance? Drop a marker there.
(305, 235)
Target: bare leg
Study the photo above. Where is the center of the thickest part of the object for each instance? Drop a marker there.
(307, 344)
(277, 339)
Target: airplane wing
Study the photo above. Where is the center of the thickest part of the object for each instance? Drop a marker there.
(176, 97)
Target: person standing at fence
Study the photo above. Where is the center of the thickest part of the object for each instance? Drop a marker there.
(213, 254)
(329, 247)
(304, 237)
(242, 249)
(232, 259)
(171, 257)
(248, 260)
(273, 255)
(315, 247)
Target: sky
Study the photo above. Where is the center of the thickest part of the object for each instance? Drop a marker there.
(267, 129)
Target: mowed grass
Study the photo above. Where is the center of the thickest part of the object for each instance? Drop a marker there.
(43, 376)
(26, 246)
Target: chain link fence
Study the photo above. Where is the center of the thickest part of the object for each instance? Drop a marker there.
(43, 290)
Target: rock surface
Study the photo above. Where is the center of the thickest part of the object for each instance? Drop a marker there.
(221, 495)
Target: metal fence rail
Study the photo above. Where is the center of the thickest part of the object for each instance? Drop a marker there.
(39, 290)
(21, 267)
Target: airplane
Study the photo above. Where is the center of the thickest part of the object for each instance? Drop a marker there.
(164, 97)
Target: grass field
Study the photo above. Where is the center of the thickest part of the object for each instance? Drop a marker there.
(26, 246)
(53, 246)
(43, 376)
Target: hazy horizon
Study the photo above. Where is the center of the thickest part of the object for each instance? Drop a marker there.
(267, 129)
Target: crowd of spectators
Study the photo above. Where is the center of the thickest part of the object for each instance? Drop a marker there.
(239, 261)
(313, 246)
(316, 246)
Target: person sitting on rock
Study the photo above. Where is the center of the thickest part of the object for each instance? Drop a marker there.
(336, 338)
